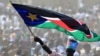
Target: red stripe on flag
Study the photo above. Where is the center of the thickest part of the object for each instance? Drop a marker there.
(63, 25)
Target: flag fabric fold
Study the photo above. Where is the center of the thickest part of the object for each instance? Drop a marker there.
(78, 35)
(42, 18)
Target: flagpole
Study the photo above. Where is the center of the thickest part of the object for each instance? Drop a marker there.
(30, 31)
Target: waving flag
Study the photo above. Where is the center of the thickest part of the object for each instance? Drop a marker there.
(38, 17)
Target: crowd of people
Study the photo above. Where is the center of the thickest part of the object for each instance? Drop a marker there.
(16, 39)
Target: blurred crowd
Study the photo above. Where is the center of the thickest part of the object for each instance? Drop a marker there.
(15, 38)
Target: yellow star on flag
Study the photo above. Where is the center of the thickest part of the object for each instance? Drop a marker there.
(32, 16)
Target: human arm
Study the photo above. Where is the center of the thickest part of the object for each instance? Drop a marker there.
(45, 47)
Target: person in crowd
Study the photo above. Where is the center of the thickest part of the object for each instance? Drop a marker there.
(87, 50)
(71, 47)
